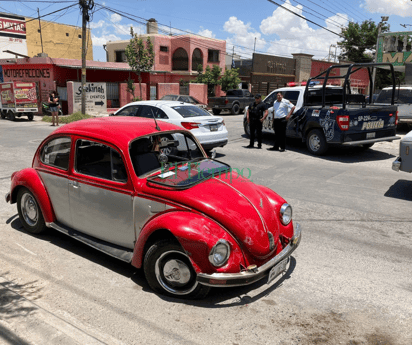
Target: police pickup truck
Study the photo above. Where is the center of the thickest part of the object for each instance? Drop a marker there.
(328, 115)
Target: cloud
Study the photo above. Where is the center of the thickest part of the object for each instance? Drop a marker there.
(97, 25)
(243, 35)
(99, 41)
(401, 8)
(294, 35)
(115, 18)
(206, 33)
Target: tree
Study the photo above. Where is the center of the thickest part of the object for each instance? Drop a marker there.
(359, 45)
(230, 79)
(140, 56)
(210, 77)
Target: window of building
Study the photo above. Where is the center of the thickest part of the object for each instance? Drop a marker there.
(213, 55)
(164, 49)
(180, 60)
(197, 59)
(120, 56)
(67, 34)
(80, 36)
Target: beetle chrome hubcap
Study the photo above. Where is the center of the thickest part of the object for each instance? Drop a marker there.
(314, 142)
(174, 274)
(29, 209)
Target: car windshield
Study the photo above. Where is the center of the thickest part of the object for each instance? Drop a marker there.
(404, 96)
(191, 111)
(170, 98)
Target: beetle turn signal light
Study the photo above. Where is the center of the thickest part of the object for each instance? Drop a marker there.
(343, 122)
(190, 125)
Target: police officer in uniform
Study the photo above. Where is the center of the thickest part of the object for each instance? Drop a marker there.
(256, 114)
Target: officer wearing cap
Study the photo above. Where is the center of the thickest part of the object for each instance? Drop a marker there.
(256, 114)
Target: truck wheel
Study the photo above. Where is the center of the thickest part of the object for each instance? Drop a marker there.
(216, 111)
(30, 117)
(247, 128)
(316, 142)
(11, 116)
(235, 109)
(29, 212)
(169, 271)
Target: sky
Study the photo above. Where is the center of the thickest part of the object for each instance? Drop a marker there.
(259, 25)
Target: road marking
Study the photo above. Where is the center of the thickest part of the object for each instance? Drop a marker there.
(28, 251)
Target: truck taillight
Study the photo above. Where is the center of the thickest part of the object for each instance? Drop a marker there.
(190, 125)
(343, 122)
(226, 101)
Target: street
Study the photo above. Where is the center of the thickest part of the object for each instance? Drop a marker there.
(349, 282)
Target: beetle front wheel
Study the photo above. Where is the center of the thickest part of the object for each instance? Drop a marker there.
(29, 212)
(168, 271)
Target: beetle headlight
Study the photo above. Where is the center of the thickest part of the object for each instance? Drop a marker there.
(219, 254)
(286, 214)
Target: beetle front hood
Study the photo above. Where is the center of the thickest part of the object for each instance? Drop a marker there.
(236, 203)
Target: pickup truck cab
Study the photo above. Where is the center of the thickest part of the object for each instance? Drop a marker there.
(235, 101)
(328, 115)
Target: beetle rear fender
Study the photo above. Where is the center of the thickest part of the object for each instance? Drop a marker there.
(30, 179)
(196, 234)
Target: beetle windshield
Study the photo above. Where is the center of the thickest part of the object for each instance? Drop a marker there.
(160, 151)
(191, 111)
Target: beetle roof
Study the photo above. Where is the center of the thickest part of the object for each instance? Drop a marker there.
(117, 130)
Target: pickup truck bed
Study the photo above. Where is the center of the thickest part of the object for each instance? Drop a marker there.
(235, 101)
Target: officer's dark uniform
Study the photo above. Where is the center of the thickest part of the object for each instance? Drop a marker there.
(256, 112)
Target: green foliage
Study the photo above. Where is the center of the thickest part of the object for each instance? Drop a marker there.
(358, 38)
(140, 56)
(68, 118)
(210, 77)
(230, 79)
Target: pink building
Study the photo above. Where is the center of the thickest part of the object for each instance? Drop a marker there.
(178, 55)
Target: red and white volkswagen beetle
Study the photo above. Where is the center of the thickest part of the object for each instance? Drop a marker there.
(147, 194)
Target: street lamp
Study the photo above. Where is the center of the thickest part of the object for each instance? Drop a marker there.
(384, 19)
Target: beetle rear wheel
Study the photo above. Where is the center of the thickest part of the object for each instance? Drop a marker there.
(168, 271)
(29, 212)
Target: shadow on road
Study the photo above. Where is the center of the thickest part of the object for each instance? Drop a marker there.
(402, 189)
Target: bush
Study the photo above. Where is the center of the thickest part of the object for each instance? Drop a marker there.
(68, 118)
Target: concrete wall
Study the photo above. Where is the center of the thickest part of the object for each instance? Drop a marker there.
(126, 97)
(167, 89)
(303, 66)
(59, 40)
(198, 91)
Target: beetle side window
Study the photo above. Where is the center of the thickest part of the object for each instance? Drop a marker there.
(99, 160)
(56, 153)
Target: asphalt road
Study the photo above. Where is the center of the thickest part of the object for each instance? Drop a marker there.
(348, 283)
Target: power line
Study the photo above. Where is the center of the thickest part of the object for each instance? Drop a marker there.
(310, 21)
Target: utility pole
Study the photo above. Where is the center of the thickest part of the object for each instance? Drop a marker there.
(41, 38)
(384, 19)
(85, 6)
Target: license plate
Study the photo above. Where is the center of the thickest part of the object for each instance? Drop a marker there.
(370, 135)
(276, 270)
(213, 128)
(216, 106)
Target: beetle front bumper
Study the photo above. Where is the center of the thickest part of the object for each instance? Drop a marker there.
(251, 276)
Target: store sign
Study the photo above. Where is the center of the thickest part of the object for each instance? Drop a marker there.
(96, 97)
(395, 48)
(26, 72)
(12, 35)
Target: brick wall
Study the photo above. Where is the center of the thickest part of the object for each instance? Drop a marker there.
(167, 89)
(198, 91)
(126, 97)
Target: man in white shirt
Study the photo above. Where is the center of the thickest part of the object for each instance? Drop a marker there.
(282, 111)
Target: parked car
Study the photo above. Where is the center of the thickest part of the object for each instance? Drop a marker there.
(150, 196)
(185, 99)
(404, 161)
(403, 99)
(235, 101)
(208, 129)
(331, 115)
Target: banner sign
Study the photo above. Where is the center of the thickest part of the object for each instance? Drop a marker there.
(395, 48)
(96, 97)
(12, 35)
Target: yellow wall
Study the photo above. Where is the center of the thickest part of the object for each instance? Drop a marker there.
(56, 42)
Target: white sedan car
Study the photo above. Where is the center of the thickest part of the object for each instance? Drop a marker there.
(210, 130)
